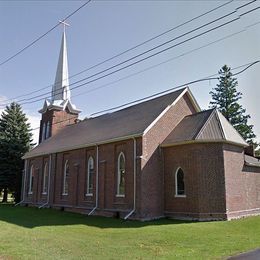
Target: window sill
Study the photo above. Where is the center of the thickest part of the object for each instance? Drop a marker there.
(64, 194)
(89, 194)
(30, 193)
(179, 196)
(44, 193)
(120, 195)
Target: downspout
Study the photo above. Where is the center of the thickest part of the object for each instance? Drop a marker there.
(24, 182)
(49, 184)
(92, 211)
(134, 206)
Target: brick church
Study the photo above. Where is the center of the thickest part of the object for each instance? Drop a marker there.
(160, 158)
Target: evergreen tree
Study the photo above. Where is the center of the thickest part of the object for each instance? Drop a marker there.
(225, 97)
(15, 141)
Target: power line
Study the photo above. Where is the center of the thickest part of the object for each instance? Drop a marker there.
(168, 60)
(170, 89)
(141, 60)
(43, 35)
(134, 47)
(171, 59)
(167, 90)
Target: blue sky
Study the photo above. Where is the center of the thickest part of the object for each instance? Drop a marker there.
(103, 29)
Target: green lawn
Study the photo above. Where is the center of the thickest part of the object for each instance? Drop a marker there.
(30, 233)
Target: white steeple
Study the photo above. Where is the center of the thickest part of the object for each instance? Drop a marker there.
(60, 89)
(60, 97)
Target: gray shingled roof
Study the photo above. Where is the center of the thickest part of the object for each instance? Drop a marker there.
(209, 125)
(131, 121)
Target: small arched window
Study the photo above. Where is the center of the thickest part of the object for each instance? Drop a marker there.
(47, 130)
(179, 183)
(31, 179)
(65, 190)
(90, 176)
(43, 131)
(121, 175)
(45, 179)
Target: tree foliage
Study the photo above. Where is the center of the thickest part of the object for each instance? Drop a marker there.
(225, 97)
(15, 141)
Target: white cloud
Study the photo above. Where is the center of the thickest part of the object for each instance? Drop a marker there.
(35, 123)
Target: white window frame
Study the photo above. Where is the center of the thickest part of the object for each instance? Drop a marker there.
(118, 194)
(30, 190)
(90, 160)
(45, 176)
(176, 184)
(64, 192)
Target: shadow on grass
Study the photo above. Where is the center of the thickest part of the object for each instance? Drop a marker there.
(34, 217)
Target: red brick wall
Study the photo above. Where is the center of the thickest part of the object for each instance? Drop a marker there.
(57, 119)
(36, 197)
(242, 184)
(203, 168)
(151, 179)
(76, 199)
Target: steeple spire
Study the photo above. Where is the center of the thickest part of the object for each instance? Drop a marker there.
(58, 111)
(60, 89)
(60, 98)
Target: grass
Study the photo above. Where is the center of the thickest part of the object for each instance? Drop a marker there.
(31, 233)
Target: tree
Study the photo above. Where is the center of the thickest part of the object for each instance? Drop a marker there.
(225, 97)
(15, 141)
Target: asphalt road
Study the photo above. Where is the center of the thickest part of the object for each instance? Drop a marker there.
(251, 255)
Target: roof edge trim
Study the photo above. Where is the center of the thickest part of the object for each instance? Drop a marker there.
(85, 145)
(201, 142)
(194, 102)
(67, 104)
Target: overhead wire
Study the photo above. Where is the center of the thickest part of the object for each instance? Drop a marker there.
(134, 47)
(170, 89)
(167, 91)
(161, 63)
(143, 59)
(136, 62)
(43, 35)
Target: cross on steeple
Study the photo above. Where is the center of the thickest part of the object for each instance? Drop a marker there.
(59, 105)
(64, 24)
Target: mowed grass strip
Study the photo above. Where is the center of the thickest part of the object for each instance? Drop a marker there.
(31, 233)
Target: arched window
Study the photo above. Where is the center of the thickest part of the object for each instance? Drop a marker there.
(179, 183)
(65, 190)
(121, 175)
(90, 176)
(31, 179)
(47, 130)
(45, 179)
(43, 131)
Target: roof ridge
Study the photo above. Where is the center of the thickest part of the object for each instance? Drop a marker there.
(200, 112)
(212, 112)
(218, 113)
(138, 103)
(221, 126)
